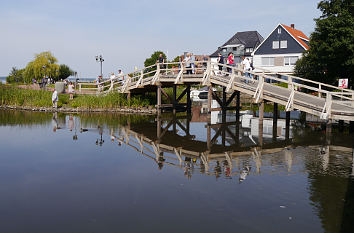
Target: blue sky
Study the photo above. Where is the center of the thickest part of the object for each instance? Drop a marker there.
(127, 32)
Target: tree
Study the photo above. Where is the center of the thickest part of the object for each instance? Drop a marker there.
(331, 53)
(64, 72)
(15, 76)
(43, 64)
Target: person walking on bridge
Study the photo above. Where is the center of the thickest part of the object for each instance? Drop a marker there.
(231, 61)
(161, 60)
(221, 61)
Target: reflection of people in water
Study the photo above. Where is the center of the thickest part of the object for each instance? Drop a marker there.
(227, 169)
(100, 132)
(217, 169)
(244, 173)
(71, 123)
(55, 122)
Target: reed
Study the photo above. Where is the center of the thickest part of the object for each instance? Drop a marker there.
(11, 95)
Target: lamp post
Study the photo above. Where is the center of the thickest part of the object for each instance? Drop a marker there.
(100, 59)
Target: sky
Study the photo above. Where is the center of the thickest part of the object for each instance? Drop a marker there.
(127, 32)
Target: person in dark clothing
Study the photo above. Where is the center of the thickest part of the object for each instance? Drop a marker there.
(220, 60)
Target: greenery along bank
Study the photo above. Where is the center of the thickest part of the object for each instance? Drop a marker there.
(44, 64)
(14, 96)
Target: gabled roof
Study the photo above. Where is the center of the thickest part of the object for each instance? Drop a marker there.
(298, 35)
(250, 39)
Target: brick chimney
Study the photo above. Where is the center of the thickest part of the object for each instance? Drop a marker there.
(292, 26)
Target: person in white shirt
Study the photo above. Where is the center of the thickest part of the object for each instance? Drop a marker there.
(55, 99)
(112, 77)
(246, 67)
(120, 76)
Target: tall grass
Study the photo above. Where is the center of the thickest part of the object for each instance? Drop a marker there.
(11, 95)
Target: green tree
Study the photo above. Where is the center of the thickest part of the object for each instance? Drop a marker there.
(331, 53)
(43, 64)
(15, 76)
(64, 72)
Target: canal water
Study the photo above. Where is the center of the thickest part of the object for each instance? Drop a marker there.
(130, 173)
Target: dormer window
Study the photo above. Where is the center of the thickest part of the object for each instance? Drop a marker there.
(276, 44)
(283, 44)
(279, 30)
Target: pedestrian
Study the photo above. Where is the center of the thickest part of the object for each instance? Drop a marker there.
(120, 76)
(231, 61)
(193, 63)
(220, 61)
(246, 67)
(71, 90)
(55, 98)
(161, 60)
(112, 77)
(187, 62)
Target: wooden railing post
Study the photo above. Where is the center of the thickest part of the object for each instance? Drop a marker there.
(320, 88)
(80, 88)
(290, 83)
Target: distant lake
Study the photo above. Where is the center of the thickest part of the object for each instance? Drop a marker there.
(3, 79)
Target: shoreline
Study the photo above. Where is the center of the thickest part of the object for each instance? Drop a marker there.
(135, 110)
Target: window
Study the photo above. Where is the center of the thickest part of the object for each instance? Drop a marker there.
(249, 50)
(279, 30)
(290, 61)
(234, 48)
(283, 44)
(267, 61)
(276, 44)
(224, 50)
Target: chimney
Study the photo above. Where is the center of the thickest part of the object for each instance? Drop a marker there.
(292, 26)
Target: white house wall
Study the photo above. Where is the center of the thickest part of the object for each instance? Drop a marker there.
(257, 62)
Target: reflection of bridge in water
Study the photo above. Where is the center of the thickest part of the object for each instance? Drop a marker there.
(228, 148)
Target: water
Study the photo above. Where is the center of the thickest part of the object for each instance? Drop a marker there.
(86, 173)
(3, 80)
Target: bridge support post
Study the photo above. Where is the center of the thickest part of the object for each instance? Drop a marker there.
(158, 99)
(223, 107)
(237, 107)
(189, 103)
(210, 97)
(208, 137)
(287, 125)
(260, 123)
(174, 99)
(158, 133)
(275, 120)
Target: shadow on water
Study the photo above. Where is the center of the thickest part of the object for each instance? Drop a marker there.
(229, 150)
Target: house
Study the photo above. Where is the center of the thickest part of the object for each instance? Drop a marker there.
(241, 44)
(281, 49)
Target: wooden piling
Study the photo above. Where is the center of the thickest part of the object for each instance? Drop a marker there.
(260, 125)
(275, 120)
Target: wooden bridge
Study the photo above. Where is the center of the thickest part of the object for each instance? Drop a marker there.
(323, 100)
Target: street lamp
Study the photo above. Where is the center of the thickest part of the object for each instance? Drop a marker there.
(100, 60)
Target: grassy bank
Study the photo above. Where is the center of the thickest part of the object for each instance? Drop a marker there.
(11, 95)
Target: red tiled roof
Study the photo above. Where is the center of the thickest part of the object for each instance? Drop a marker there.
(297, 35)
